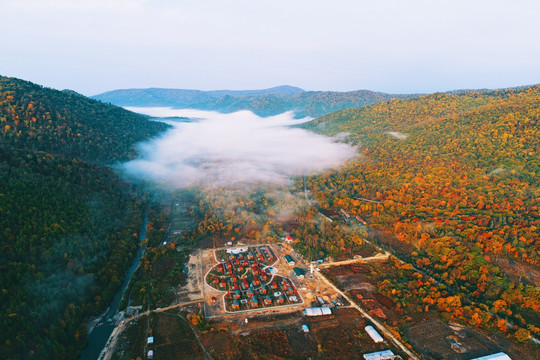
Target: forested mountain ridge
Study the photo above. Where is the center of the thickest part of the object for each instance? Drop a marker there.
(183, 97)
(64, 122)
(455, 177)
(308, 103)
(68, 225)
(261, 102)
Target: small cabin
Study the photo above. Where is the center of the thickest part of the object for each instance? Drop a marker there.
(290, 291)
(254, 301)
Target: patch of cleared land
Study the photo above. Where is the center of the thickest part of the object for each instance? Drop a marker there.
(280, 336)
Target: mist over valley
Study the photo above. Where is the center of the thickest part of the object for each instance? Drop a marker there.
(216, 149)
(164, 196)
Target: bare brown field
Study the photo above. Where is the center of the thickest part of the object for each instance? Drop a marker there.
(438, 340)
(280, 337)
(428, 335)
(173, 339)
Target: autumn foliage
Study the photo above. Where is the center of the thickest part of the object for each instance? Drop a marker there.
(456, 181)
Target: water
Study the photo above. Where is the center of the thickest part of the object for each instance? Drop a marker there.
(96, 341)
(101, 333)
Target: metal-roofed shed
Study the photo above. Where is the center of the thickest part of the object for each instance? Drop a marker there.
(317, 311)
(381, 355)
(298, 272)
(497, 356)
(373, 334)
(289, 259)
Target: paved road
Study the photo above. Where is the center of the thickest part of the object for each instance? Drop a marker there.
(380, 326)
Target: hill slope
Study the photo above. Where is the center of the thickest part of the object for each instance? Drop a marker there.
(262, 102)
(67, 223)
(64, 122)
(183, 97)
(457, 178)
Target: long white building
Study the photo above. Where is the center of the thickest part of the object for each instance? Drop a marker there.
(317, 311)
(497, 356)
(373, 334)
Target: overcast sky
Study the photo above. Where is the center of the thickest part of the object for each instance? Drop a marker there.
(399, 46)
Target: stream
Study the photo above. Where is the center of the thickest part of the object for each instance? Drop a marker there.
(97, 339)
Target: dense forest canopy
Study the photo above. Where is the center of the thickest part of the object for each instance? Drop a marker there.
(455, 178)
(68, 225)
(66, 123)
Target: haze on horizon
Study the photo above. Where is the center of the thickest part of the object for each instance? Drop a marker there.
(92, 46)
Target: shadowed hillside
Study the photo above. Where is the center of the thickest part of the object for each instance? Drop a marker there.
(68, 226)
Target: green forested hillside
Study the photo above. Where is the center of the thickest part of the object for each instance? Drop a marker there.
(456, 178)
(68, 225)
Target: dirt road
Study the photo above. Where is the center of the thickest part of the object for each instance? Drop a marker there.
(380, 326)
(107, 352)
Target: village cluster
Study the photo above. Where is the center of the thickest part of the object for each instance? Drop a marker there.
(249, 280)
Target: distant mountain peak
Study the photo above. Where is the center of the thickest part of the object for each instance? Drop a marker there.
(263, 102)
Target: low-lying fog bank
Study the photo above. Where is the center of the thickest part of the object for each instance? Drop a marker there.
(232, 149)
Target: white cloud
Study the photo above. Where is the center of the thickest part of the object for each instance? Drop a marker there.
(232, 149)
